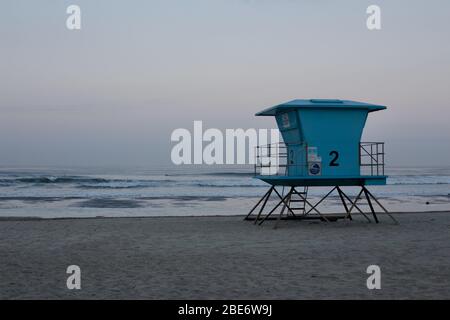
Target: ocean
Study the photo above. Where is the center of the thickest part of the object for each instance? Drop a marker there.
(187, 191)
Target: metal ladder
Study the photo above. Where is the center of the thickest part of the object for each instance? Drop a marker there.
(300, 200)
(297, 201)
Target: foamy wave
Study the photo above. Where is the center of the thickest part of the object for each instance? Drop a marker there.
(238, 181)
(418, 180)
(53, 179)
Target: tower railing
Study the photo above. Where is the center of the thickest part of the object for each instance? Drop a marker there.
(371, 158)
(273, 159)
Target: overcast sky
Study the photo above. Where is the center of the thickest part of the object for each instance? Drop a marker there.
(112, 92)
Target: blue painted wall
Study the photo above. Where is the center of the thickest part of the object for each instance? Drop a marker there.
(335, 132)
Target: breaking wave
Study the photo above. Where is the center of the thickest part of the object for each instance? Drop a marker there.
(210, 180)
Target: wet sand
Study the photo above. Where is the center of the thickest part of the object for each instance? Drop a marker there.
(225, 258)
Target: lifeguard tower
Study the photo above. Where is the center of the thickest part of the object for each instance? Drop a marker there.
(321, 147)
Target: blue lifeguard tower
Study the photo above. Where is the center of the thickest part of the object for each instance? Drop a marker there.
(321, 147)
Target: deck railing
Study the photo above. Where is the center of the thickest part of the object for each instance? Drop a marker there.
(273, 159)
(371, 158)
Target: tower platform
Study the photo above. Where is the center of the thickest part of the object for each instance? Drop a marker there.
(322, 181)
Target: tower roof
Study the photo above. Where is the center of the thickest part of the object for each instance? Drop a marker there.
(319, 104)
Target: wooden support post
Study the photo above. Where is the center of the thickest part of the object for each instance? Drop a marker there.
(356, 200)
(344, 203)
(370, 205)
(283, 200)
(265, 196)
(287, 203)
(384, 209)
(314, 207)
(264, 204)
(354, 204)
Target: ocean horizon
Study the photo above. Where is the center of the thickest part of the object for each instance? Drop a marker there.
(187, 191)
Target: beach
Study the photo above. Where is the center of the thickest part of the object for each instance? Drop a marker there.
(225, 258)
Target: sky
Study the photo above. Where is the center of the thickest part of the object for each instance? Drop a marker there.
(113, 92)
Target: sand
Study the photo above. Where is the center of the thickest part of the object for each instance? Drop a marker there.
(225, 258)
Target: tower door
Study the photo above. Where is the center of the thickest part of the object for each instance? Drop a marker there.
(295, 160)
